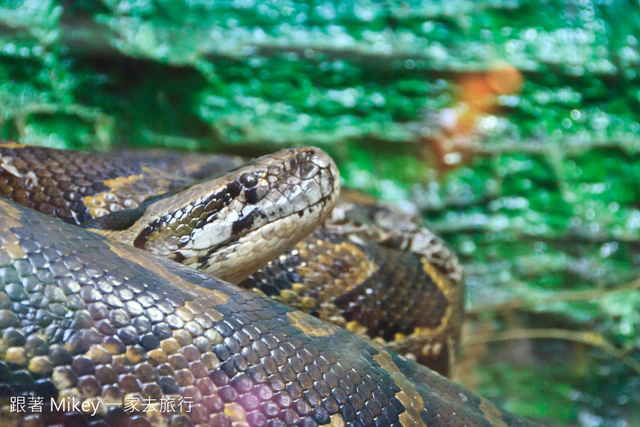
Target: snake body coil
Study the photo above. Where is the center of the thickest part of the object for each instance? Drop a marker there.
(89, 320)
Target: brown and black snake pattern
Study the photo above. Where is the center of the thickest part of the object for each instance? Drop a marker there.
(87, 319)
(76, 187)
(394, 296)
(345, 272)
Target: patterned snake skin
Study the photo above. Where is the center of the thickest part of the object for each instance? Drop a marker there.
(370, 268)
(91, 322)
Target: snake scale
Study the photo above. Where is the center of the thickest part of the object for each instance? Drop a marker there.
(87, 317)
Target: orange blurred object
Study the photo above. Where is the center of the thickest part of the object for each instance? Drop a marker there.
(478, 95)
(480, 90)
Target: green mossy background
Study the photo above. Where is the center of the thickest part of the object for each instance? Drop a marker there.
(540, 199)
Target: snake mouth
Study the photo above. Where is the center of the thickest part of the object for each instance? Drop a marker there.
(232, 225)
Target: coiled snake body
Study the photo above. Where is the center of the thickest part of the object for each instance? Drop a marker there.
(90, 320)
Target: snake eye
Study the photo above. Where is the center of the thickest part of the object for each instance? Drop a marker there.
(249, 180)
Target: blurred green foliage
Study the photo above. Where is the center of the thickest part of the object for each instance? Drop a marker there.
(540, 199)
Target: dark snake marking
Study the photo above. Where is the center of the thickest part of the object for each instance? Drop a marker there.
(220, 200)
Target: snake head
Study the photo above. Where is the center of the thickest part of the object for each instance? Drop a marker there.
(232, 225)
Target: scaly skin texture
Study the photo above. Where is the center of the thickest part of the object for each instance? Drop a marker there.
(381, 284)
(77, 187)
(234, 224)
(369, 268)
(86, 318)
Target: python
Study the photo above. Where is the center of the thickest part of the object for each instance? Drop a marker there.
(87, 317)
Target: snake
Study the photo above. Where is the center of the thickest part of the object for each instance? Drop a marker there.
(148, 279)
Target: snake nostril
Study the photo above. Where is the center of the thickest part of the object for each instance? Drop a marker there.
(306, 155)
